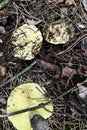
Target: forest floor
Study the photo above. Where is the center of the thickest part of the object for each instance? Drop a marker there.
(58, 68)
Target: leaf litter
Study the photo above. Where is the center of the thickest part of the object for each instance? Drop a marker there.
(58, 67)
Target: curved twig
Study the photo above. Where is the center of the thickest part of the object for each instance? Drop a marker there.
(73, 45)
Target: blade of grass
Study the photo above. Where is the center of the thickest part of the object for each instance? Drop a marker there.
(17, 75)
(41, 105)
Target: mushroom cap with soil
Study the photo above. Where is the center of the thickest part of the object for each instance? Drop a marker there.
(28, 41)
(26, 96)
(59, 32)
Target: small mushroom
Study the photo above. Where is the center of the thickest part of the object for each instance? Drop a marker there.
(27, 40)
(26, 96)
(59, 32)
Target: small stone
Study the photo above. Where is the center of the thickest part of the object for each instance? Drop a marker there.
(2, 70)
(1, 41)
(2, 30)
(1, 54)
(39, 123)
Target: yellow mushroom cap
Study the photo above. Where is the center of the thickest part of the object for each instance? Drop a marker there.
(26, 96)
(28, 40)
(59, 32)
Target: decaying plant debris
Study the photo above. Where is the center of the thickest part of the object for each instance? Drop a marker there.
(59, 68)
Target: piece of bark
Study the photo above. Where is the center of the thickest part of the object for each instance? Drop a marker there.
(46, 65)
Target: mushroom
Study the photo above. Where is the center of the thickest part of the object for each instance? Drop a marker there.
(27, 40)
(26, 96)
(59, 32)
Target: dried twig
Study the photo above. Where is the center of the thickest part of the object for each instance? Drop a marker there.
(73, 45)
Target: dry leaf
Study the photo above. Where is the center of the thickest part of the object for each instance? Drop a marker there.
(3, 12)
(68, 72)
(2, 30)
